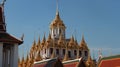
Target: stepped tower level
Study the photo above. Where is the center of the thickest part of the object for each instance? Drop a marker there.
(57, 27)
(8, 43)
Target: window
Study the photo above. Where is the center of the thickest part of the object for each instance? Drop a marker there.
(86, 53)
(75, 53)
(69, 54)
(51, 50)
(63, 51)
(45, 50)
(60, 31)
(57, 51)
(80, 53)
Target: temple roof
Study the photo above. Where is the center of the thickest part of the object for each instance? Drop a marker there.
(55, 62)
(4, 36)
(7, 38)
(111, 61)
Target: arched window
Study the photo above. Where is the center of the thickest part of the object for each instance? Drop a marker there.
(63, 51)
(45, 50)
(57, 51)
(80, 53)
(51, 50)
(86, 53)
(75, 53)
(69, 54)
(60, 31)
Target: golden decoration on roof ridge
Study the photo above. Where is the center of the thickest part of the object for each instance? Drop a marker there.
(53, 54)
(83, 44)
(38, 57)
(66, 54)
(49, 38)
(89, 62)
(44, 39)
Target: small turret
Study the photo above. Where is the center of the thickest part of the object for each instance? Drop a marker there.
(83, 44)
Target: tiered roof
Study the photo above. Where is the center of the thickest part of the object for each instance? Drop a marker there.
(111, 61)
(57, 22)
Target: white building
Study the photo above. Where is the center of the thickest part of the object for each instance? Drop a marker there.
(8, 44)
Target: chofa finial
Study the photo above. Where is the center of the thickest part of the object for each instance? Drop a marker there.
(3, 2)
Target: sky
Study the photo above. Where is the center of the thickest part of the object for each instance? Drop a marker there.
(97, 20)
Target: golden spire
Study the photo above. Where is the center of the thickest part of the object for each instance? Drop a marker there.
(49, 41)
(71, 42)
(31, 61)
(89, 56)
(83, 40)
(34, 43)
(89, 61)
(22, 62)
(57, 22)
(53, 54)
(38, 47)
(57, 12)
(72, 39)
(44, 39)
(26, 61)
(38, 41)
(27, 58)
(19, 62)
(66, 54)
(83, 44)
(49, 38)
(38, 58)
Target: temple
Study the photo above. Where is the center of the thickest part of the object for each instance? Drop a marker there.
(66, 51)
(8, 44)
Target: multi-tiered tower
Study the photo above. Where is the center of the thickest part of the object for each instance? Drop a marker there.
(57, 45)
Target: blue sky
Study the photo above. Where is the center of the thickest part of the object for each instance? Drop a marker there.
(98, 20)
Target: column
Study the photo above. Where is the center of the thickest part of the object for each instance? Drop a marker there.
(15, 55)
(11, 56)
(1, 53)
(6, 58)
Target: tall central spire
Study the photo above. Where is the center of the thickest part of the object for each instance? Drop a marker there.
(57, 27)
(57, 12)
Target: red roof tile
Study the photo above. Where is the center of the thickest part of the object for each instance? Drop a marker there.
(110, 62)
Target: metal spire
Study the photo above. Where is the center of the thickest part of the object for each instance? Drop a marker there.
(3, 2)
(57, 12)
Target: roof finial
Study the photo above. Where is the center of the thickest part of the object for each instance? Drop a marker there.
(57, 12)
(3, 2)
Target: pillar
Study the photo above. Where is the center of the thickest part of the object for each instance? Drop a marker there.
(6, 58)
(1, 53)
(15, 55)
(11, 56)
